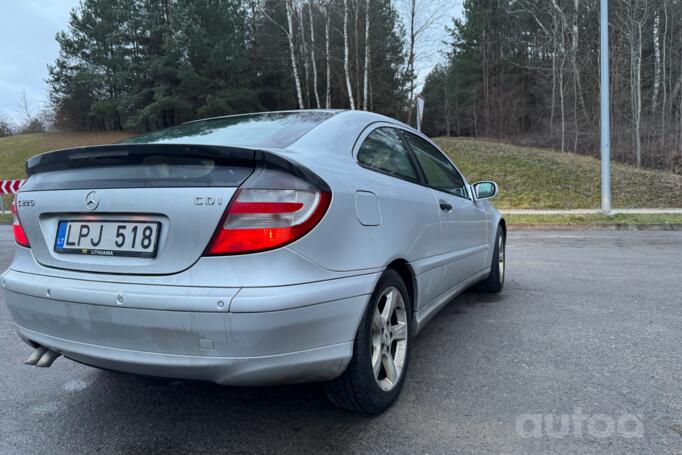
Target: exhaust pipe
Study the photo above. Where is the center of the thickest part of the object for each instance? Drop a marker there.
(47, 359)
(35, 356)
(42, 357)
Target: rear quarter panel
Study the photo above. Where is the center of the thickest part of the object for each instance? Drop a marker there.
(410, 225)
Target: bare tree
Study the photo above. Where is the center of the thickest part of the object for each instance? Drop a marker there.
(366, 79)
(411, 42)
(312, 53)
(289, 32)
(657, 62)
(356, 42)
(327, 56)
(555, 47)
(635, 15)
(562, 49)
(304, 49)
(31, 122)
(561, 23)
(420, 17)
(294, 66)
(577, 85)
(664, 103)
(25, 109)
(679, 142)
(550, 28)
(345, 55)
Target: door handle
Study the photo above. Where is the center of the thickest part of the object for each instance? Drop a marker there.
(445, 206)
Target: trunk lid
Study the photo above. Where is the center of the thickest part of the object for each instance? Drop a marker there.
(183, 189)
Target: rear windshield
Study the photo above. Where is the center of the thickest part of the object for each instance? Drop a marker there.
(274, 129)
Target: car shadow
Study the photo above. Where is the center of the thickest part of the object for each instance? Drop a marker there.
(129, 414)
(120, 413)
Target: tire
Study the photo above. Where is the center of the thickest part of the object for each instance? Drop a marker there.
(359, 388)
(495, 281)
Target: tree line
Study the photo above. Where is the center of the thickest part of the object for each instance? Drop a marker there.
(525, 70)
(528, 70)
(149, 64)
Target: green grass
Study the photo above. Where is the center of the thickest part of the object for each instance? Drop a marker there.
(15, 150)
(529, 178)
(532, 178)
(631, 219)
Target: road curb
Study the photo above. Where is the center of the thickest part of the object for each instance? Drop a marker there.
(561, 212)
(594, 226)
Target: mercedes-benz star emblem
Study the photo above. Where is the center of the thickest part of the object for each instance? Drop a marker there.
(92, 200)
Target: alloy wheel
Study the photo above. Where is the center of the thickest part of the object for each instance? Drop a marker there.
(389, 339)
(500, 249)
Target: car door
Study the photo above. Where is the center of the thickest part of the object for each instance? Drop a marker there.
(410, 220)
(463, 221)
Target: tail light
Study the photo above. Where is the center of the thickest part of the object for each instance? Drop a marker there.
(19, 233)
(272, 208)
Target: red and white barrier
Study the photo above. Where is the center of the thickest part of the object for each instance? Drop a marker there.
(10, 186)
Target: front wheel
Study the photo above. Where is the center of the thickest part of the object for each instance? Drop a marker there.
(495, 280)
(376, 373)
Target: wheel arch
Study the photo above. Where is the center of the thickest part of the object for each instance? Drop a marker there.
(407, 274)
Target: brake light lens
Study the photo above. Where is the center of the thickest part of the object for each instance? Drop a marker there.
(259, 219)
(17, 228)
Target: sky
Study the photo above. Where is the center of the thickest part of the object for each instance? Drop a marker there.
(430, 47)
(27, 46)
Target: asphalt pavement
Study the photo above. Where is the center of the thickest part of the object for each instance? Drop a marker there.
(579, 354)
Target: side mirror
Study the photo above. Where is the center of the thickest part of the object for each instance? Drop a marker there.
(485, 190)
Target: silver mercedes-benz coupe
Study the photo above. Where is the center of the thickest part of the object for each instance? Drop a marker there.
(253, 249)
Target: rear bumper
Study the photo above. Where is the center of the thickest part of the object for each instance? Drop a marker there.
(270, 335)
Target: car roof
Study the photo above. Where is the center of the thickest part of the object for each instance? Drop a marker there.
(258, 130)
(273, 130)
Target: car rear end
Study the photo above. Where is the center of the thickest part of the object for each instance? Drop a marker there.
(174, 260)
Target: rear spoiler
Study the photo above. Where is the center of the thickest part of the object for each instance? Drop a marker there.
(110, 156)
(120, 154)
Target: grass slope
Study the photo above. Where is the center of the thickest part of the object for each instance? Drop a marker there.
(528, 177)
(15, 150)
(532, 178)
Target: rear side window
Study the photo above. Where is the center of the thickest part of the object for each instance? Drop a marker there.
(384, 151)
(439, 172)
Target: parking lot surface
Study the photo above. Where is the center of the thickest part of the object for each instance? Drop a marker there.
(579, 354)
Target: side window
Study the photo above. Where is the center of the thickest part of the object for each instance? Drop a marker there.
(384, 151)
(439, 172)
